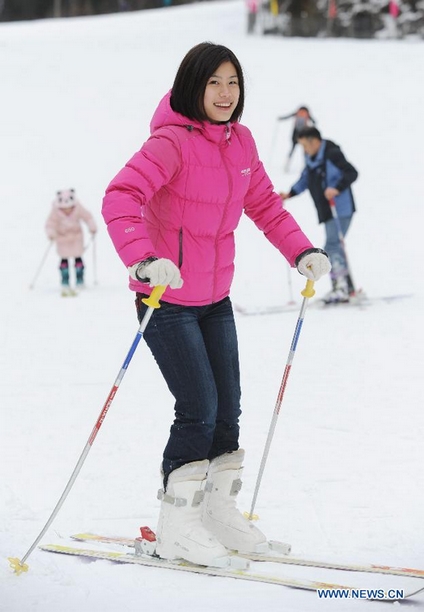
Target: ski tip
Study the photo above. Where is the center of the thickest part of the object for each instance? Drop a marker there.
(239, 309)
(17, 566)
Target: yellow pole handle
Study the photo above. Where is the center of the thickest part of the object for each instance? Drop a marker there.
(153, 300)
(309, 290)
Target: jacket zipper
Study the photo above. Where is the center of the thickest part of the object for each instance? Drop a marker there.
(180, 248)
(230, 190)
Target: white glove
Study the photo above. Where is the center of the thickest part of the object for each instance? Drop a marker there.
(158, 272)
(314, 265)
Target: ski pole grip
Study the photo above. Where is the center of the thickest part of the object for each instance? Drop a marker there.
(309, 290)
(153, 300)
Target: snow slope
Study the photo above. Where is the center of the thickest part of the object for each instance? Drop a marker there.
(345, 475)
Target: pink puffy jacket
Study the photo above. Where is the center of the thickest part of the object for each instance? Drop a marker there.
(181, 197)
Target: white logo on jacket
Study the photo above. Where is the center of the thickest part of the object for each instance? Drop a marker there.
(129, 229)
(245, 172)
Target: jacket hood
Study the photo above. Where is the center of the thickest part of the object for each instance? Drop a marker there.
(165, 116)
(65, 198)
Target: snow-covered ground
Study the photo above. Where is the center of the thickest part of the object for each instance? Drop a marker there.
(345, 475)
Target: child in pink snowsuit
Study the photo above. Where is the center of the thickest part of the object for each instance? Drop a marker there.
(63, 225)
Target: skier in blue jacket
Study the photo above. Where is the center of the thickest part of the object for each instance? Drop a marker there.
(328, 176)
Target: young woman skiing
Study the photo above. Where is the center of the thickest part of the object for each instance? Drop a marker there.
(171, 214)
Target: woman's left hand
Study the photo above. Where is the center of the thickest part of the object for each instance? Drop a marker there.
(314, 265)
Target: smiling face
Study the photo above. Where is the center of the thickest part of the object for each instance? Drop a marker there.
(222, 93)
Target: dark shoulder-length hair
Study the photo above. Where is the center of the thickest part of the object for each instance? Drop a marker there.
(192, 77)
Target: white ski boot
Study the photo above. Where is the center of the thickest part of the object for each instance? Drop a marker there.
(180, 533)
(220, 514)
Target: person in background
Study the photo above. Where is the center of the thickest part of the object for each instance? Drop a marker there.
(329, 176)
(171, 213)
(64, 226)
(302, 118)
(252, 14)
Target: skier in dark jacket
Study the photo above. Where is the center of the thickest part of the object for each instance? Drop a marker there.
(302, 119)
(328, 176)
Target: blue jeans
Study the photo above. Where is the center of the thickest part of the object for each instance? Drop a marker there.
(334, 247)
(196, 349)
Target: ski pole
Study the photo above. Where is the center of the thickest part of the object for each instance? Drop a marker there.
(333, 209)
(307, 293)
(19, 565)
(93, 242)
(91, 239)
(46, 252)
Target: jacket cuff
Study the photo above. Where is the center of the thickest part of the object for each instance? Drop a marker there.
(307, 252)
(141, 267)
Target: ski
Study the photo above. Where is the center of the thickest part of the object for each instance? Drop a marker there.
(261, 310)
(275, 558)
(247, 575)
(362, 301)
(180, 565)
(277, 547)
(68, 292)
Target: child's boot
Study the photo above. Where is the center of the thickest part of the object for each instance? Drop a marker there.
(79, 272)
(64, 273)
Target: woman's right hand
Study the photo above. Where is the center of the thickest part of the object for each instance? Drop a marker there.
(158, 272)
